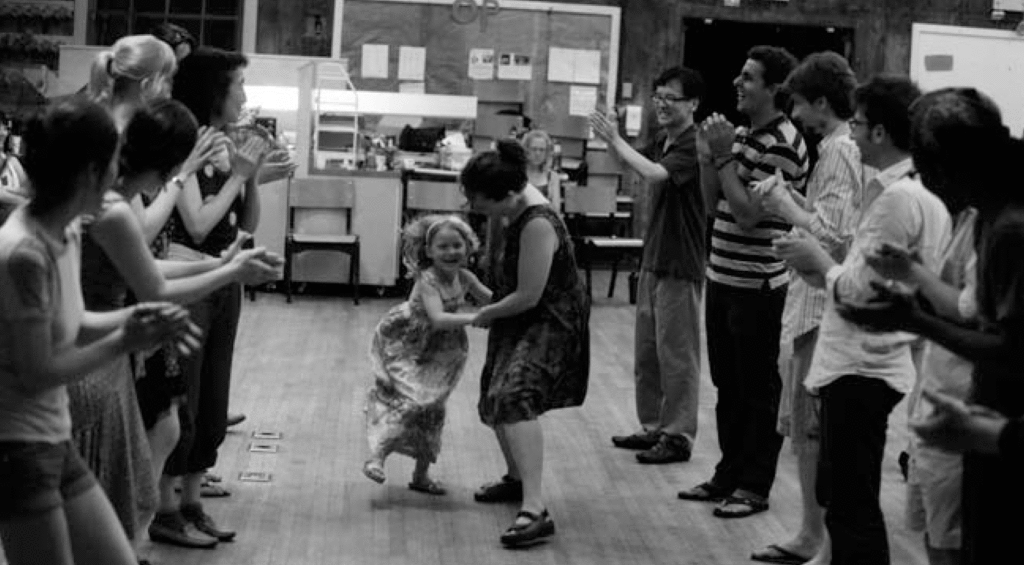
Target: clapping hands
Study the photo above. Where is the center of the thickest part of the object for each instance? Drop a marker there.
(151, 324)
(719, 134)
(956, 426)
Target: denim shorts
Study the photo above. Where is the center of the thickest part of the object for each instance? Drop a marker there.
(36, 477)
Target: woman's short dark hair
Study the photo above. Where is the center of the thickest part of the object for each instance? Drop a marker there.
(777, 63)
(497, 173)
(825, 75)
(203, 80)
(886, 100)
(158, 138)
(174, 35)
(61, 142)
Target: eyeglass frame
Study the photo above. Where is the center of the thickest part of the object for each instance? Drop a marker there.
(662, 99)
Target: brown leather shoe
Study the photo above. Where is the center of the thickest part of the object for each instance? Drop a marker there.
(669, 449)
(204, 523)
(172, 528)
(639, 441)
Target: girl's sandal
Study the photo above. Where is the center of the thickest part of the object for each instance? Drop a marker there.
(428, 487)
(374, 472)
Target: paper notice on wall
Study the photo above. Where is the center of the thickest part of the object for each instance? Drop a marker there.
(588, 66)
(375, 61)
(514, 66)
(561, 64)
(582, 100)
(634, 116)
(581, 66)
(481, 64)
(412, 62)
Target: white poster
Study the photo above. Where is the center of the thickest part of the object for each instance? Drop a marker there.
(412, 62)
(582, 100)
(561, 64)
(588, 67)
(581, 66)
(481, 64)
(514, 66)
(375, 61)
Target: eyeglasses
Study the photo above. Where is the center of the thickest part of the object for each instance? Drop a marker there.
(854, 122)
(667, 99)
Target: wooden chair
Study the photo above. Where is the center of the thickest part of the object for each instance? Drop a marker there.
(321, 193)
(600, 202)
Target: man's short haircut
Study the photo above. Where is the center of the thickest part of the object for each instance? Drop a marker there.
(825, 75)
(777, 63)
(886, 100)
(691, 80)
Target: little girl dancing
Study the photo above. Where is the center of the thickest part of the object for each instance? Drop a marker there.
(420, 347)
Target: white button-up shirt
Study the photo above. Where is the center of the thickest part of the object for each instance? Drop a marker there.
(904, 214)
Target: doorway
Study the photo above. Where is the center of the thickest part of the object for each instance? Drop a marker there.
(718, 48)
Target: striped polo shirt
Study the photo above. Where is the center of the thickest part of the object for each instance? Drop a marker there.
(744, 258)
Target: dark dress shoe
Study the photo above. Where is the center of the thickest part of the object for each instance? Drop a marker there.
(639, 441)
(194, 514)
(172, 528)
(668, 450)
(539, 527)
(235, 419)
(505, 490)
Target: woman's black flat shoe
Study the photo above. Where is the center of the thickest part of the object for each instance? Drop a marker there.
(505, 490)
(534, 531)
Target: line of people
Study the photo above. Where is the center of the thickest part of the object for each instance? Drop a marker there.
(136, 196)
(832, 292)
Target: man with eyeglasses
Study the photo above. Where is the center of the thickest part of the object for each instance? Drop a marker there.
(861, 375)
(667, 335)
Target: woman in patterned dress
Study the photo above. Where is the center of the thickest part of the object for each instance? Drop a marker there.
(419, 349)
(538, 350)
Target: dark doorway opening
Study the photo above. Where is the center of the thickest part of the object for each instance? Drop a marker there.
(718, 48)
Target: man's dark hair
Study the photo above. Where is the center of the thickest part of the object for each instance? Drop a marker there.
(497, 173)
(691, 80)
(885, 101)
(777, 63)
(203, 80)
(825, 75)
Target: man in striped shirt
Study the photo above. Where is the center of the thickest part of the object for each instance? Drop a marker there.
(822, 90)
(747, 283)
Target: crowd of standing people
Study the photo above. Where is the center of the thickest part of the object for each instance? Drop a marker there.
(887, 268)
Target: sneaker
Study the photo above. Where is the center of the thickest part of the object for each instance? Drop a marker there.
(172, 528)
(669, 449)
(204, 523)
(640, 441)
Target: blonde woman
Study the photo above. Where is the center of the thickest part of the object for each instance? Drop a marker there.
(539, 152)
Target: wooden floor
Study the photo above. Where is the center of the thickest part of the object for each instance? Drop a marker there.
(301, 369)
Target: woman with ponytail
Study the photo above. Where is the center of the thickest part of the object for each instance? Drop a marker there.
(538, 350)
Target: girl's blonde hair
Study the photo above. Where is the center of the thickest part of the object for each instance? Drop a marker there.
(419, 232)
(133, 58)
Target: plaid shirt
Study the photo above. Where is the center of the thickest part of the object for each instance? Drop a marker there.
(834, 190)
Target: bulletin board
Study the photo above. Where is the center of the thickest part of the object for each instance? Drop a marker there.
(527, 29)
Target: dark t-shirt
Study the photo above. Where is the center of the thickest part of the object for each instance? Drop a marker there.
(224, 233)
(675, 242)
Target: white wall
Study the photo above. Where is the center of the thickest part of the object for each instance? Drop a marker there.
(990, 60)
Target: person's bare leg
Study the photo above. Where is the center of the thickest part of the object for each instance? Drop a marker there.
(97, 537)
(191, 485)
(42, 538)
(510, 461)
(526, 445)
(162, 438)
(810, 539)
